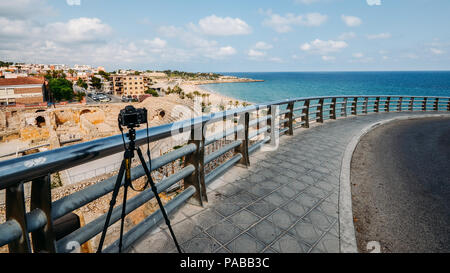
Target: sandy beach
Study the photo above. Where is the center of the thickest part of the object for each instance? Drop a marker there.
(214, 98)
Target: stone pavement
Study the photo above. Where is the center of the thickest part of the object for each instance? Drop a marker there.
(286, 201)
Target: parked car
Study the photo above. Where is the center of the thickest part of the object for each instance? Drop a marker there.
(125, 99)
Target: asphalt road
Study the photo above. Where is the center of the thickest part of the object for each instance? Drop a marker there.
(400, 177)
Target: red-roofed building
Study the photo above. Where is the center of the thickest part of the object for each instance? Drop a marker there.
(22, 90)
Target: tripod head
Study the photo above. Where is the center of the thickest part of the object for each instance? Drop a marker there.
(131, 117)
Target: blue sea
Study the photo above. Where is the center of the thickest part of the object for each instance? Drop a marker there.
(283, 85)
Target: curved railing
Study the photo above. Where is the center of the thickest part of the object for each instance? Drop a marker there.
(244, 130)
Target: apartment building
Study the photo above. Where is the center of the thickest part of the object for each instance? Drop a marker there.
(22, 90)
(128, 85)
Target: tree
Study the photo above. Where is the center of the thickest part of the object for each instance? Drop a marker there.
(61, 89)
(55, 74)
(80, 96)
(190, 96)
(82, 83)
(152, 92)
(5, 64)
(96, 83)
(104, 74)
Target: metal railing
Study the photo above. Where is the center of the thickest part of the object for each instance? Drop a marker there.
(252, 127)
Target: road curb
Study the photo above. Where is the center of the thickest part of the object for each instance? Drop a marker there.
(347, 237)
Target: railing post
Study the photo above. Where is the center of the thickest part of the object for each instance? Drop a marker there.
(257, 119)
(197, 178)
(320, 110)
(333, 108)
(15, 210)
(269, 121)
(305, 112)
(388, 104)
(400, 104)
(44, 238)
(366, 105)
(243, 148)
(344, 107)
(411, 104)
(290, 116)
(424, 104)
(377, 105)
(436, 104)
(354, 105)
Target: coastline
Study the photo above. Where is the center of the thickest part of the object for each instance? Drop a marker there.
(227, 80)
(215, 98)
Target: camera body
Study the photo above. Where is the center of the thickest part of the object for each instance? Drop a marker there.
(131, 117)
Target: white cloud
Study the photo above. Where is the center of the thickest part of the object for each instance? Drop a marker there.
(193, 38)
(220, 53)
(263, 46)
(80, 30)
(170, 31)
(437, 51)
(323, 47)
(374, 2)
(24, 9)
(223, 26)
(410, 56)
(296, 57)
(227, 51)
(24, 37)
(276, 60)
(385, 35)
(358, 55)
(256, 53)
(73, 2)
(306, 2)
(189, 38)
(361, 60)
(283, 24)
(315, 19)
(19, 29)
(156, 43)
(351, 21)
(347, 36)
(328, 58)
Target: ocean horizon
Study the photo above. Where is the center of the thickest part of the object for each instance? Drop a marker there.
(284, 85)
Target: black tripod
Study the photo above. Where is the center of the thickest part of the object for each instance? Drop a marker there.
(125, 167)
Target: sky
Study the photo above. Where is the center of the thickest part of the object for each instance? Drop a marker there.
(229, 36)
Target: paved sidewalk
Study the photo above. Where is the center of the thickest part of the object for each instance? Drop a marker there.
(286, 201)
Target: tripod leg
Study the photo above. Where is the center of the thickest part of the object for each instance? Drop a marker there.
(111, 204)
(155, 192)
(125, 194)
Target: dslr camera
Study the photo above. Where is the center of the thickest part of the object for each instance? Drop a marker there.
(131, 117)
